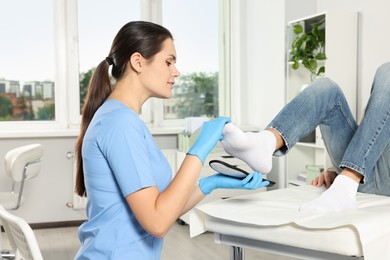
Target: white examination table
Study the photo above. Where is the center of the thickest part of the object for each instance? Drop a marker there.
(271, 221)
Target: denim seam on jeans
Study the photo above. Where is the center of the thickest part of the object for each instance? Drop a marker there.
(339, 107)
(286, 147)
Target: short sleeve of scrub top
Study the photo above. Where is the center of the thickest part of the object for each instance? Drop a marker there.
(119, 157)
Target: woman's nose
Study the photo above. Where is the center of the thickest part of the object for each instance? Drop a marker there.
(175, 72)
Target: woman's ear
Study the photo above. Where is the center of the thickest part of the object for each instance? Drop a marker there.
(136, 62)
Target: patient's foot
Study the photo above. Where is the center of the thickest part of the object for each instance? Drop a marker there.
(340, 196)
(256, 149)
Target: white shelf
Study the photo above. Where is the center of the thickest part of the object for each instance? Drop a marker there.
(311, 145)
(296, 182)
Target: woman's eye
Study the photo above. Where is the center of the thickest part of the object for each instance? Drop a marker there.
(169, 63)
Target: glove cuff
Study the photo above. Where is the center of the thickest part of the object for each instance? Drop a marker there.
(195, 152)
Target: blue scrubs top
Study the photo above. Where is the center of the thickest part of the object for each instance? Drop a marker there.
(119, 157)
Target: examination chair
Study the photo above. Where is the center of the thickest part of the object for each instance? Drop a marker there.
(272, 222)
(21, 164)
(20, 236)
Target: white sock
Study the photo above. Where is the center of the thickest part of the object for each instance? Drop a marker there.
(340, 196)
(256, 149)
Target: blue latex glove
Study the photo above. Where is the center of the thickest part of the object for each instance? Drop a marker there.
(210, 134)
(219, 181)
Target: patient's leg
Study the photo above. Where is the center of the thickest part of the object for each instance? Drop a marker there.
(365, 151)
(255, 149)
(340, 196)
(321, 103)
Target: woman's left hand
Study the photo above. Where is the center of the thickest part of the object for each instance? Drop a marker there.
(219, 181)
(325, 178)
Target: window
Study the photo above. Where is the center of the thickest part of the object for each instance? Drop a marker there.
(50, 51)
(197, 31)
(196, 92)
(27, 61)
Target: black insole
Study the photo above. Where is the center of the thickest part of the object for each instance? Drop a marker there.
(232, 170)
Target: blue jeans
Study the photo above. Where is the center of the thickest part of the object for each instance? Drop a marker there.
(364, 148)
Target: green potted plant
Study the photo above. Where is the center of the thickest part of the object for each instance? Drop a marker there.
(308, 47)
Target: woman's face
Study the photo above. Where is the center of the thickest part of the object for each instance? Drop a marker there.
(160, 73)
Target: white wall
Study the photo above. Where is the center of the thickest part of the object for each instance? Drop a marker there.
(260, 66)
(47, 195)
(265, 64)
(261, 61)
(374, 39)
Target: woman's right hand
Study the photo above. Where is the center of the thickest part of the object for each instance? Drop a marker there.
(325, 178)
(210, 134)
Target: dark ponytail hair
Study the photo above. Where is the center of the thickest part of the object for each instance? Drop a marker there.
(139, 36)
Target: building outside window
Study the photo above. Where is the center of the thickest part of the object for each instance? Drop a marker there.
(27, 64)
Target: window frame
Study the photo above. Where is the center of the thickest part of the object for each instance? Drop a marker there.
(60, 91)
